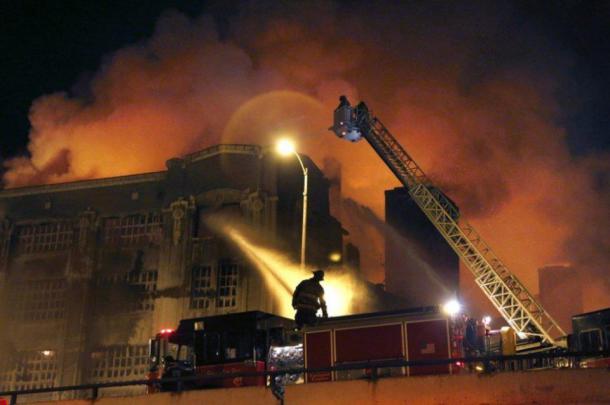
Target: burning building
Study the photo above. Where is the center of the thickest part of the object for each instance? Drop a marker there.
(561, 293)
(419, 264)
(90, 270)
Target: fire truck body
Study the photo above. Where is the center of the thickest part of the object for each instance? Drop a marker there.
(591, 333)
(418, 334)
(231, 343)
(241, 342)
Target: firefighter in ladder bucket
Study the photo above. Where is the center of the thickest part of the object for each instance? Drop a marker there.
(308, 298)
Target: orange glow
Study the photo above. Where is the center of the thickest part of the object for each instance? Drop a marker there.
(343, 292)
(496, 148)
(283, 277)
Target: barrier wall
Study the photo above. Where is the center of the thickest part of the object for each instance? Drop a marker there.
(543, 387)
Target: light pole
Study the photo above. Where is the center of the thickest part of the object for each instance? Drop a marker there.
(285, 147)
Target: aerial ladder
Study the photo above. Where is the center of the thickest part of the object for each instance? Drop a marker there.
(510, 297)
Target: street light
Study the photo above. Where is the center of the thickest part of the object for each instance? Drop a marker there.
(452, 307)
(334, 257)
(285, 147)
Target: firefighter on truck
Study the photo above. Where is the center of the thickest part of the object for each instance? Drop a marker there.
(307, 299)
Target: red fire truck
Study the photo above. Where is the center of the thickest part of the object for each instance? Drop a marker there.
(232, 343)
(591, 334)
(242, 342)
(416, 334)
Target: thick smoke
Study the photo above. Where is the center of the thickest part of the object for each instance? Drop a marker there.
(470, 94)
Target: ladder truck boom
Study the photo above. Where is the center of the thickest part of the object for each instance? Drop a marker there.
(510, 297)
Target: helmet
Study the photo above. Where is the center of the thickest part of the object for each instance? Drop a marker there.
(318, 274)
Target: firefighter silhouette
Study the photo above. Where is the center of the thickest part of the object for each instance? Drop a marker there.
(307, 299)
(343, 102)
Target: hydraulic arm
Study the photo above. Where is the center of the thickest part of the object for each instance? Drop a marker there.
(516, 304)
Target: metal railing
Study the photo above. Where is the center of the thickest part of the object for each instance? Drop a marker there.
(537, 361)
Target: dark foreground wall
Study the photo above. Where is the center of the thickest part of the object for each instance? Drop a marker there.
(534, 387)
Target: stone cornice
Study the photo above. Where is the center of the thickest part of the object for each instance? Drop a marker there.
(253, 150)
(82, 185)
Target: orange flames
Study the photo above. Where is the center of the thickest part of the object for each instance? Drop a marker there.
(492, 141)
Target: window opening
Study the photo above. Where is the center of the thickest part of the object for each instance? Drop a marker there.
(35, 369)
(228, 273)
(144, 282)
(36, 300)
(140, 229)
(47, 237)
(117, 363)
(201, 287)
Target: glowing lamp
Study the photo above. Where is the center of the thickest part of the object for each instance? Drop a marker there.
(334, 257)
(47, 353)
(452, 307)
(285, 147)
(166, 331)
(486, 320)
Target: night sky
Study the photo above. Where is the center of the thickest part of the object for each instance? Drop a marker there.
(50, 46)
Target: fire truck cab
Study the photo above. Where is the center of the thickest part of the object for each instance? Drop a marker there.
(215, 345)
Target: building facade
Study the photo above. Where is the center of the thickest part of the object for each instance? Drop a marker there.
(419, 264)
(90, 270)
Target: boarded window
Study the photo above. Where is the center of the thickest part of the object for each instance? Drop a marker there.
(209, 250)
(119, 363)
(133, 230)
(47, 237)
(36, 300)
(146, 281)
(141, 286)
(201, 287)
(228, 273)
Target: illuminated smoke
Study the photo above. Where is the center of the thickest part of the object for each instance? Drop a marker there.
(344, 293)
(465, 92)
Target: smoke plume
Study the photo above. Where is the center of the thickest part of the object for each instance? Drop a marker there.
(470, 94)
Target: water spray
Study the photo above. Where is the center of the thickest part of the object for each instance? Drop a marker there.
(283, 275)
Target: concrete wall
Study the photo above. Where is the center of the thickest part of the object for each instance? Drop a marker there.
(544, 387)
(534, 387)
